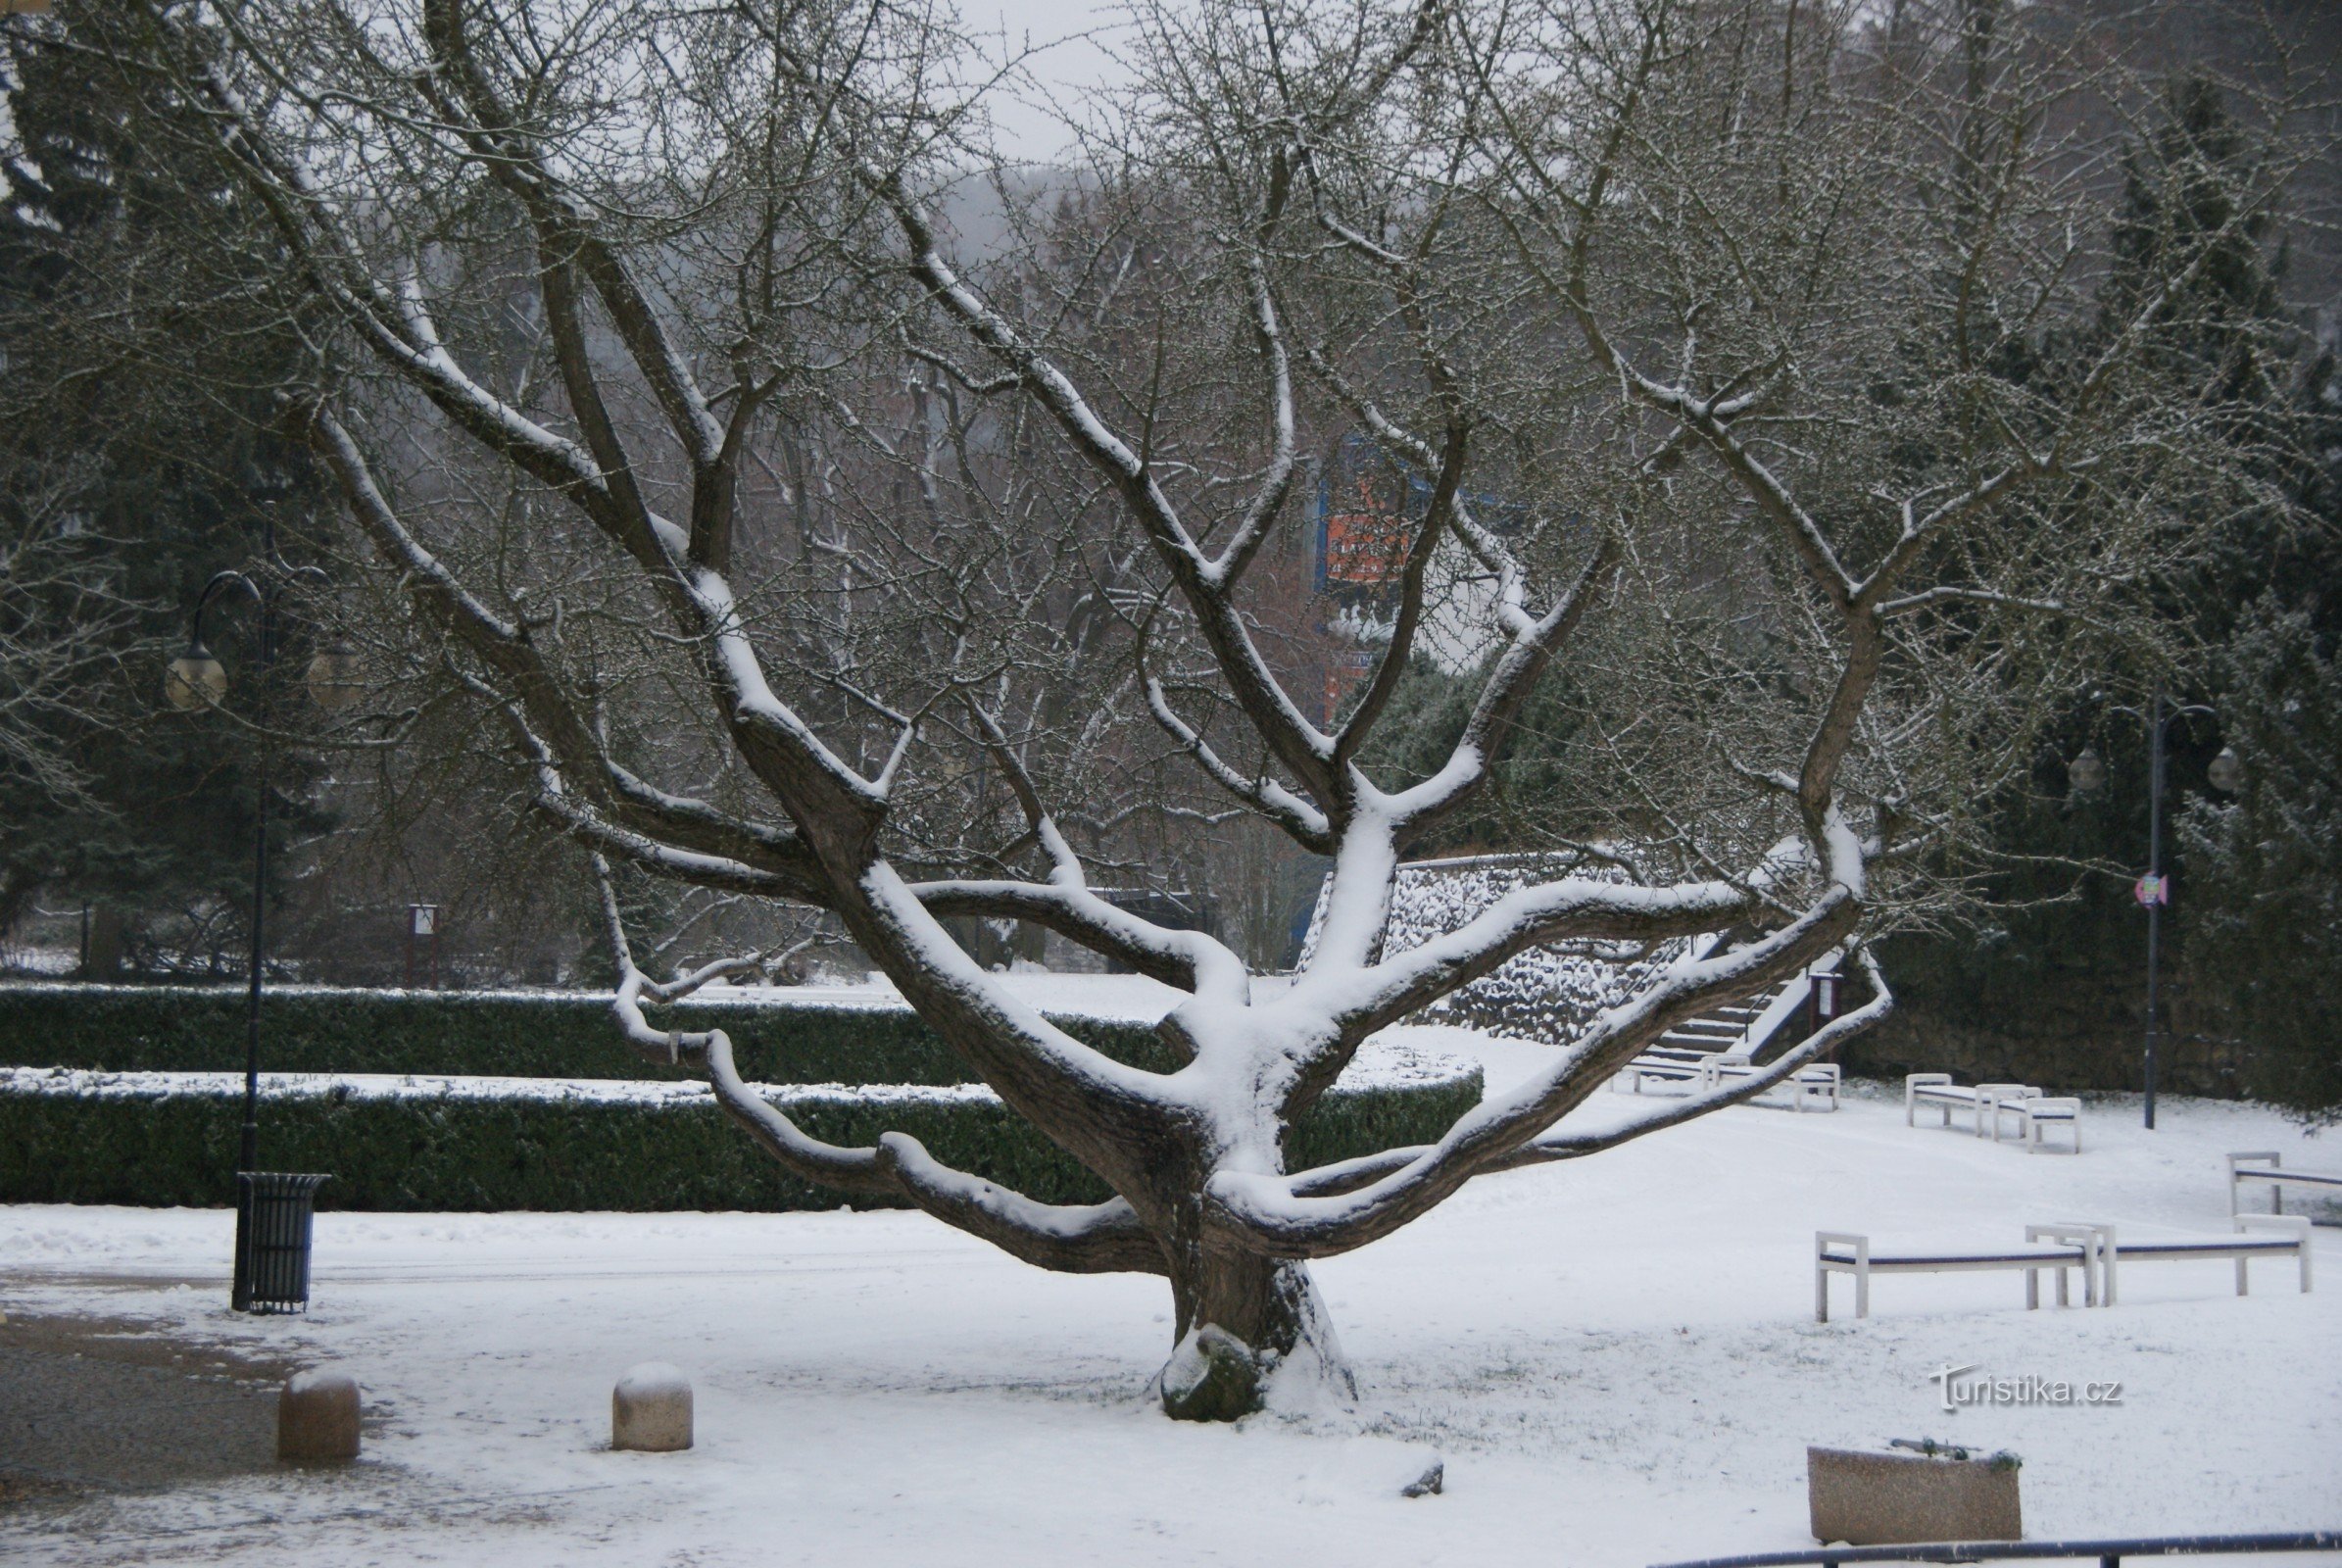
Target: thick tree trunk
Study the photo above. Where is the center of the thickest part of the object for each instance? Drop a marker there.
(103, 958)
(1252, 1332)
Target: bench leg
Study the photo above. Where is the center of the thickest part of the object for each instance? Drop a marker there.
(2242, 1281)
(1821, 1293)
(1862, 1289)
(2033, 1287)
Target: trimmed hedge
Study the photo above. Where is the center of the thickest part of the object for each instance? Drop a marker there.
(201, 1029)
(574, 1155)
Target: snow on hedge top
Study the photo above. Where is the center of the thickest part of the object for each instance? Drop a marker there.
(89, 1083)
(1380, 1064)
(1113, 997)
(1545, 994)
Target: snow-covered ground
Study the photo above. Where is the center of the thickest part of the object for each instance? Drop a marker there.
(1616, 1358)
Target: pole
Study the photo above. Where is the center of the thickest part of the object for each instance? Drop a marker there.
(248, 1152)
(2155, 729)
(248, 1145)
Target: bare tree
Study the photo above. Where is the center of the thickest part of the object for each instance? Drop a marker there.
(1722, 304)
(62, 610)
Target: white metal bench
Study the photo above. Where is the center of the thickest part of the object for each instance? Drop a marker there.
(2061, 1244)
(2267, 1168)
(2257, 1235)
(1817, 1084)
(1843, 1253)
(2036, 1114)
(1673, 1067)
(1982, 1102)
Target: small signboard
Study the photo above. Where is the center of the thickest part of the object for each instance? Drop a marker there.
(1362, 540)
(422, 944)
(2151, 891)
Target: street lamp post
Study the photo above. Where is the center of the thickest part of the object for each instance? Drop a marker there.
(196, 681)
(2086, 772)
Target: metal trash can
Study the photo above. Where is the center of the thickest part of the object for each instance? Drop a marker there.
(273, 1215)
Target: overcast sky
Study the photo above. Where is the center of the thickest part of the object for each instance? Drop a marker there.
(1076, 41)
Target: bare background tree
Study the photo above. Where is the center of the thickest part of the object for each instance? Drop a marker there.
(61, 608)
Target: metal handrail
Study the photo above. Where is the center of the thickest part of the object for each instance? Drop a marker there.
(2109, 1553)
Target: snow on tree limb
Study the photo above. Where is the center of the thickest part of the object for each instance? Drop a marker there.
(1293, 738)
(1089, 1239)
(1267, 1211)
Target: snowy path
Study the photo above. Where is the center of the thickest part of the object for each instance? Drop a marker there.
(1616, 1358)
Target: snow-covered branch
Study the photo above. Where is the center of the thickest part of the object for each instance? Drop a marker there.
(1091, 1239)
(1203, 584)
(1268, 1211)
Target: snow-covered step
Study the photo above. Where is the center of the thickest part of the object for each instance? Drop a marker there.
(1685, 1035)
(1724, 1027)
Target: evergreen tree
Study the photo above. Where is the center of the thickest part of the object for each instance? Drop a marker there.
(2068, 950)
(2266, 949)
(2266, 952)
(136, 416)
(1529, 804)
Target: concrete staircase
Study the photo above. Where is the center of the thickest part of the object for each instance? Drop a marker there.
(1727, 1028)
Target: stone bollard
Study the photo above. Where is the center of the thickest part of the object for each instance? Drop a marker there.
(317, 1418)
(649, 1411)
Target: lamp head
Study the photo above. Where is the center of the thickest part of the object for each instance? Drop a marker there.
(195, 679)
(2226, 771)
(2087, 771)
(336, 677)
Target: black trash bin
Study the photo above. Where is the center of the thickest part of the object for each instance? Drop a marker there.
(273, 1215)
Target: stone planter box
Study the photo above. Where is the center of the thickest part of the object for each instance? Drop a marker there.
(1878, 1500)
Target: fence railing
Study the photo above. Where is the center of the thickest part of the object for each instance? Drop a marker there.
(2110, 1553)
